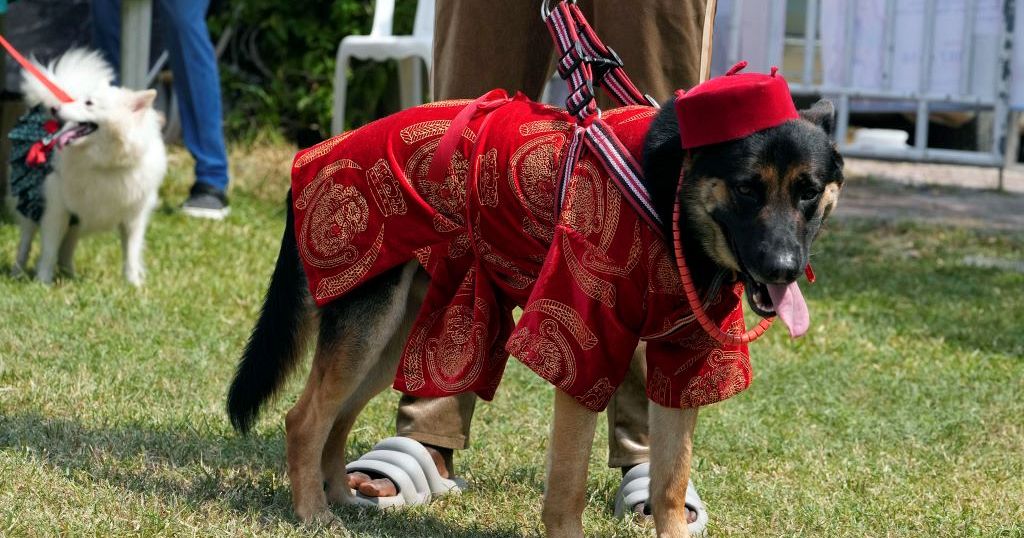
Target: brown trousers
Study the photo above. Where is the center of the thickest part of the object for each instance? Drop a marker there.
(480, 45)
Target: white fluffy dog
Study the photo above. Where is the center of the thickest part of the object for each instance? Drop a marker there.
(108, 164)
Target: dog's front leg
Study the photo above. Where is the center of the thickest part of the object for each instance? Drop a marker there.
(565, 494)
(671, 433)
(52, 228)
(28, 232)
(133, 234)
(66, 254)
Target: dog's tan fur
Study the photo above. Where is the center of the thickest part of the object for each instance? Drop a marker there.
(700, 202)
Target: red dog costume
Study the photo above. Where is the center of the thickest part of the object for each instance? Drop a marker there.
(591, 275)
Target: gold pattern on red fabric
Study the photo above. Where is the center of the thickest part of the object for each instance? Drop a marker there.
(729, 371)
(567, 316)
(423, 256)
(336, 214)
(662, 275)
(647, 113)
(487, 178)
(449, 196)
(594, 287)
(547, 352)
(531, 174)
(659, 386)
(584, 211)
(597, 260)
(430, 129)
(456, 358)
(450, 103)
(387, 193)
(545, 126)
(598, 395)
(340, 283)
(325, 173)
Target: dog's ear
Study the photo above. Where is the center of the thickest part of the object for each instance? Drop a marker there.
(143, 100)
(822, 114)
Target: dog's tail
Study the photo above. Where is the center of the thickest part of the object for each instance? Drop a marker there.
(278, 340)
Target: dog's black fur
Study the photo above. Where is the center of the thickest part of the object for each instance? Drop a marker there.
(774, 183)
(766, 207)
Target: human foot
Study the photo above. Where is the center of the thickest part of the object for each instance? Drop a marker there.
(377, 485)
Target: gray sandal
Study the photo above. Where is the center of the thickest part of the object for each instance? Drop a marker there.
(634, 491)
(407, 463)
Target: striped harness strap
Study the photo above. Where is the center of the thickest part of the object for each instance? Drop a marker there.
(583, 62)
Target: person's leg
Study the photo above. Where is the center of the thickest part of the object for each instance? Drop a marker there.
(106, 30)
(441, 422)
(627, 417)
(628, 438)
(666, 58)
(197, 86)
(479, 46)
(659, 44)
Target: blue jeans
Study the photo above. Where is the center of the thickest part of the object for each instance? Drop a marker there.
(196, 80)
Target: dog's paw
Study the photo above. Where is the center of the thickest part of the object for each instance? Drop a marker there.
(135, 278)
(323, 518)
(44, 276)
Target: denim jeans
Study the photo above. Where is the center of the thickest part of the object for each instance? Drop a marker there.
(196, 80)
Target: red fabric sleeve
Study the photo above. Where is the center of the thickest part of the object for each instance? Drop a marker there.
(692, 369)
(581, 323)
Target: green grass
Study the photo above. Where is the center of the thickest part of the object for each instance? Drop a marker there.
(900, 414)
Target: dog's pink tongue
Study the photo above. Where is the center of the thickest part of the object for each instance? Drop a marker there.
(64, 137)
(790, 306)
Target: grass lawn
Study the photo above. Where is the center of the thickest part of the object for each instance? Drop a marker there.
(900, 414)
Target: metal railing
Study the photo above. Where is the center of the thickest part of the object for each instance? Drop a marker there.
(922, 100)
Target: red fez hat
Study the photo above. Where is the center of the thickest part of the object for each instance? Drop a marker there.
(733, 106)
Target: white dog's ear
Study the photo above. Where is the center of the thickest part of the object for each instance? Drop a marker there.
(143, 100)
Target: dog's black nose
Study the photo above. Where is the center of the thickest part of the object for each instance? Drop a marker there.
(781, 266)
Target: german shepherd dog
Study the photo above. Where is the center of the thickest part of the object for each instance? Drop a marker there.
(753, 206)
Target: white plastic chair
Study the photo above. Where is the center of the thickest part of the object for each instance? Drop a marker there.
(382, 45)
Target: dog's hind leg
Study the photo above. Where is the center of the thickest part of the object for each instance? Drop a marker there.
(379, 375)
(671, 449)
(354, 332)
(28, 232)
(565, 493)
(66, 254)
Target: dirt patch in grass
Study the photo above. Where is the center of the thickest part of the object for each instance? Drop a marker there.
(969, 208)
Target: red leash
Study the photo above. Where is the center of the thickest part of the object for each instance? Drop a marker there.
(35, 72)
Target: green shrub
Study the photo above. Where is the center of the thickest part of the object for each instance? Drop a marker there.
(278, 67)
